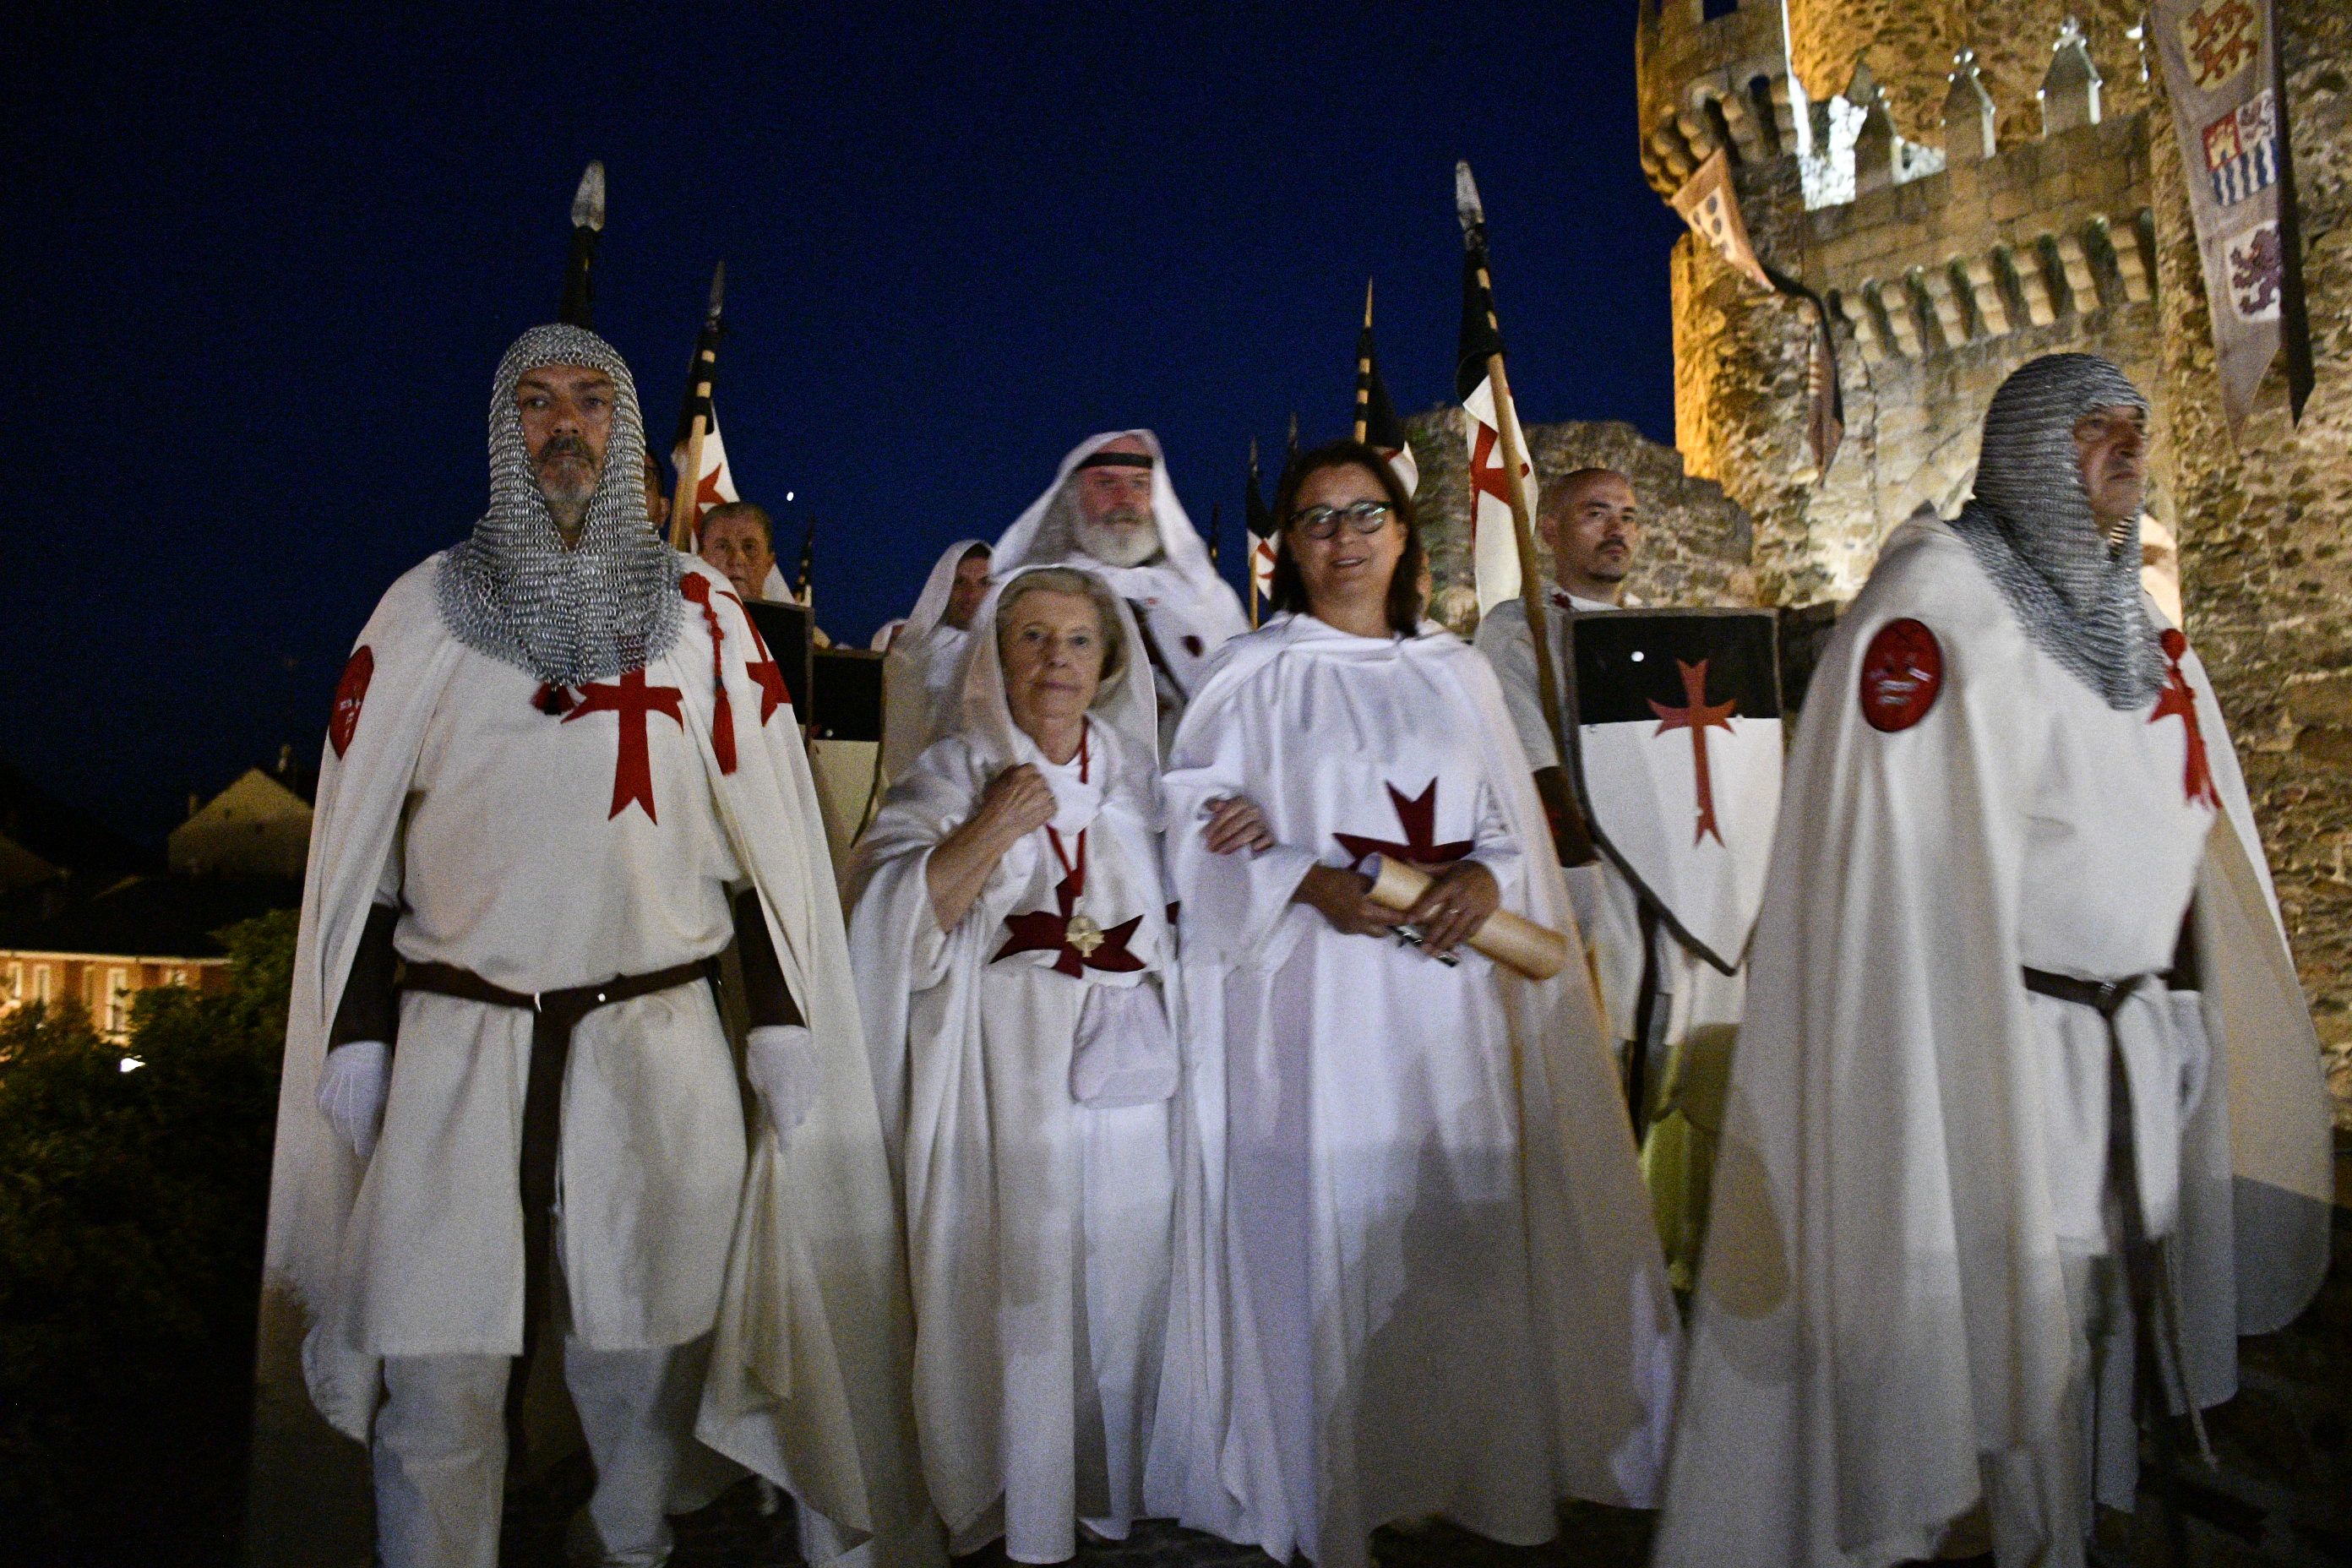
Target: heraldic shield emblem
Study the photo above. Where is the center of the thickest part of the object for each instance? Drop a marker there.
(1676, 761)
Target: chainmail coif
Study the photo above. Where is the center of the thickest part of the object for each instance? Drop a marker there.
(2031, 527)
(513, 592)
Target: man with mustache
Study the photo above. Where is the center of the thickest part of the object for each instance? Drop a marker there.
(1112, 512)
(560, 779)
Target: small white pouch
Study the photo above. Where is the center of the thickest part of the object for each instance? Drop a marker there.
(1126, 1053)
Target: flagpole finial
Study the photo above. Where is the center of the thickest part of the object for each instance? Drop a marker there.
(588, 201)
(1367, 302)
(717, 291)
(1466, 206)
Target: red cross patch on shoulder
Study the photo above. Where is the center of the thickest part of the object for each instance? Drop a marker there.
(350, 695)
(1902, 674)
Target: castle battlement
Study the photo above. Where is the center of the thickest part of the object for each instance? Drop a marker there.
(1710, 82)
(1918, 248)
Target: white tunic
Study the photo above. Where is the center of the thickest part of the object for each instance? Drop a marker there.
(1918, 1146)
(512, 862)
(1395, 1312)
(620, 824)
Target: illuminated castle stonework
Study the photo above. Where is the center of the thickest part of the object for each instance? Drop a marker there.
(1969, 184)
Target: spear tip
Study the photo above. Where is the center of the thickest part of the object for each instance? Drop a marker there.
(718, 290)
(1367, 304)
(1467, 205)
(588, 202)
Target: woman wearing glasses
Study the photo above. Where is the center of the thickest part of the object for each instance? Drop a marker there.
(1417, 1271)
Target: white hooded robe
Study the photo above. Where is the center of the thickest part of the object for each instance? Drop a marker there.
(1416, 1271)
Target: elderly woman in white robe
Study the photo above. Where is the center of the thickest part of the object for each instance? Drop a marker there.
(1010, 941)
(1419, 1271)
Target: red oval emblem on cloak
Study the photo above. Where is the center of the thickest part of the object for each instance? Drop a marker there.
(1902, 673)
(351, 694)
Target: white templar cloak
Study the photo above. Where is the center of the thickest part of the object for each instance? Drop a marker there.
(1415, 1269)
(1185, 611)
(1038, 1225)
(542, 852)
(922, 670)
(1916, 1150)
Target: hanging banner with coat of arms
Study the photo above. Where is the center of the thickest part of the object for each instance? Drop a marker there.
(2220, 72)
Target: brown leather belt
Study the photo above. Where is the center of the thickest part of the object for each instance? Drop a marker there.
(555, 1014)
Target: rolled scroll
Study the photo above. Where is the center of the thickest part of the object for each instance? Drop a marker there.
(1536, 952)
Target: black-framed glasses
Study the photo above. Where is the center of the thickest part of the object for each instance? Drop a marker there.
(1323, 521)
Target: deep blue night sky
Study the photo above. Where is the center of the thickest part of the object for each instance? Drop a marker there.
(255, 275)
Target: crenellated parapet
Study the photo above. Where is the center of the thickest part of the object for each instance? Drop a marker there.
(1710, 82)
(1920, 249)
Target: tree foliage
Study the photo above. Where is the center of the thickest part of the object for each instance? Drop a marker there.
(131, 1209)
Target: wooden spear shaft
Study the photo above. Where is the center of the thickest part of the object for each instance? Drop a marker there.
(1364, 373)
(1522, 533)
(690, 469)
(699, 383)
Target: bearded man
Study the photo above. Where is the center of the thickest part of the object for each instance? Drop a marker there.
(2026, 1116)
(560, 779)
(1112, 510)
(922, 666)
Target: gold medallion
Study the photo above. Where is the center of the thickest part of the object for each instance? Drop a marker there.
(1082, 935)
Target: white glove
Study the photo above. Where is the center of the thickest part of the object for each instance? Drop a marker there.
(781, 1061)
(352, 1091)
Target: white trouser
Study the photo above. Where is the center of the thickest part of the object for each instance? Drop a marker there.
(440, 1451)
(2039, 1500)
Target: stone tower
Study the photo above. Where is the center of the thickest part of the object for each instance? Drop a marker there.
(1969, 184)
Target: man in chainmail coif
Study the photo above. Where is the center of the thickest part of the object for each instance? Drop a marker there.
(2026, 1119)
(561, 777)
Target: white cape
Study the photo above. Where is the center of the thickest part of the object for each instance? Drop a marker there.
(1512, 1134)
(1881, 1301)
(1037, 1228)
(806, 1383)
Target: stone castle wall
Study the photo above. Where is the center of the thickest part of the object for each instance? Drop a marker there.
(1695, 542)
(1948, 256)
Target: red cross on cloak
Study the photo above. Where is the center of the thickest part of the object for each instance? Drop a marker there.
(1699, 717)
(1418, 817)
(631, 701)
(1044, 931)
(1487, 472)
(764, 672)
(2178, 700)
(707, 493)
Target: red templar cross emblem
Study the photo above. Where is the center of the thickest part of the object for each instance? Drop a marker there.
(1699, 717)
(1044, 931)
(631, 701)
(1488, 474)
(764, 672)
(2178, 701)
(1418, 817)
